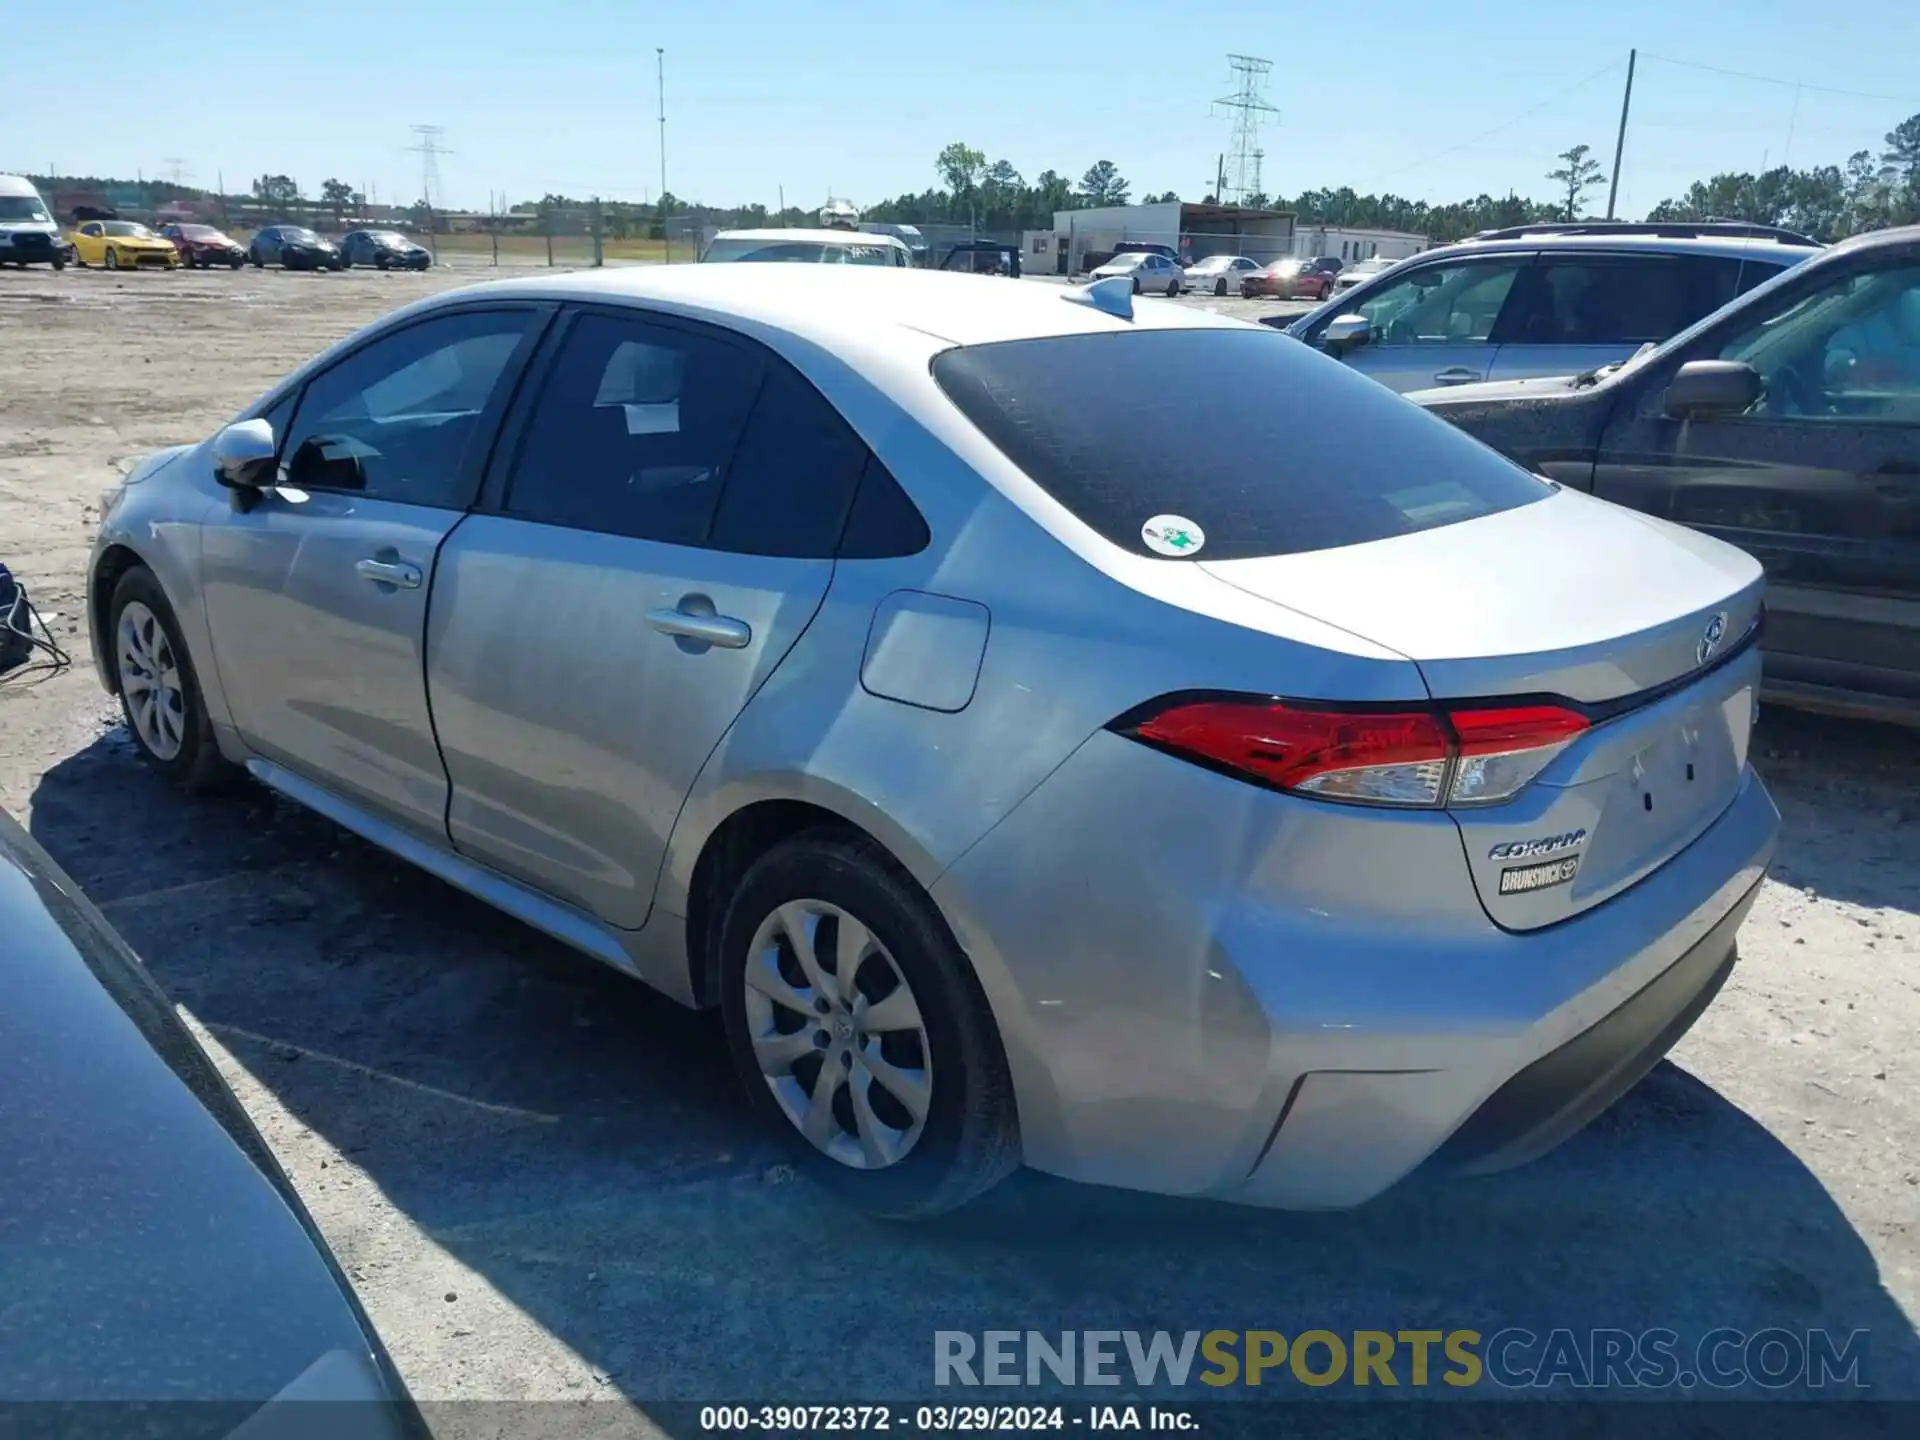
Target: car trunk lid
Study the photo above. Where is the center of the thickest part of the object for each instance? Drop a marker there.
(1643, 627)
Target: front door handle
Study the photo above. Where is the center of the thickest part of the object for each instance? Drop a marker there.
(389, 572)
(1455, 375)
(709, 629)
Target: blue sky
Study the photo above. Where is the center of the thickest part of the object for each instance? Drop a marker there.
(1429, 101)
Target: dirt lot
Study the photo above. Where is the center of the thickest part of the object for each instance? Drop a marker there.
(546, 1185)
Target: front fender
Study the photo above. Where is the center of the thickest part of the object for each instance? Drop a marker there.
(157, 523)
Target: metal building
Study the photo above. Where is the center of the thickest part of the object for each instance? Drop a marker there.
(1083, 239)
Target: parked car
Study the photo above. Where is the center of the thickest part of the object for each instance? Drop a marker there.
(201, 245)
(1787, 423)
(155, 1250)
(1361, 270)
(1220, 274)
(808, 247)
(28, 234)
(1265, 774)
(295, 247)
(1290, 279)
(983, 257)
(1147, 269)
(121, 245)
(384, 250)
(1542, 300)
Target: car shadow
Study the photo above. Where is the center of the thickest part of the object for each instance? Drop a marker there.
(1849, 794)
(582, 1144)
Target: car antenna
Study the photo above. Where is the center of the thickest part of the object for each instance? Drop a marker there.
(1112, 296)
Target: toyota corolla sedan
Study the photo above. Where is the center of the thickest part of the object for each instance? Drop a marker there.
(1258, 807)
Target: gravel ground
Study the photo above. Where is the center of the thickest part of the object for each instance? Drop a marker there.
(546, 1186)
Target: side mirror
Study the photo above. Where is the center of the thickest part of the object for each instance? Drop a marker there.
(1711, 387)
(243, 455)
(1346, 333)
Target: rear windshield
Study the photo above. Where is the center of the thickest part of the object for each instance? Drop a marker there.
(1260, 444)
(801, 252)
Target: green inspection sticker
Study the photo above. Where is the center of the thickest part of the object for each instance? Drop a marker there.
(1173, 535)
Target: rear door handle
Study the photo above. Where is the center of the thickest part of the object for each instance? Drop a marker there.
(1455, 375)
(389, 572)
(721, 630)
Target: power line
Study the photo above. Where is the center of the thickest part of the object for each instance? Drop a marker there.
(1776, 80)
(1505, 124)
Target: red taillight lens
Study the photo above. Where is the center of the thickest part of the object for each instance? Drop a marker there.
(1473, 755)
(1503, 747)
(1394, 757)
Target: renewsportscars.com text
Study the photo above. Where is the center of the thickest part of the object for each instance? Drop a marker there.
(1511, 1358)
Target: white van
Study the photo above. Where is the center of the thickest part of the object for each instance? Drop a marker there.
(28, 234)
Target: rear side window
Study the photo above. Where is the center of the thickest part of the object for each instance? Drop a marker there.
(1615, 299)
(1265, 446)
(633, 430)
(792, 480)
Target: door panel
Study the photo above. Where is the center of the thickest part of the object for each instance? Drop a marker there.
(571, 726)
(322, 665)
(1820, 479)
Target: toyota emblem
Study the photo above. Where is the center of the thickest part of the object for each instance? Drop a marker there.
(1710, 638)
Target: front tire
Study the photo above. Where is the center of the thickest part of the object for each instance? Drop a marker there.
(1220, 287)
(160, 695)
(113, 258)
(860, 1031)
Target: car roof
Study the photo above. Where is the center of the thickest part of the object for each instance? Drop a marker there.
(821, 237)
(836, 306)
(1739, 247)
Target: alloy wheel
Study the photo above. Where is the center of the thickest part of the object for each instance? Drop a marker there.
(838, 1034)
(151, 681)
(113, 258)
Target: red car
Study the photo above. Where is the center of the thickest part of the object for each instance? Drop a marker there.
(1292, 280)
(203, 245)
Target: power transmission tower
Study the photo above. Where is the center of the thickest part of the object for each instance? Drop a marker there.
(1249, 106)
(176, 168)
(430, 150)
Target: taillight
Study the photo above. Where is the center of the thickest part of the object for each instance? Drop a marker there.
(1473, 754)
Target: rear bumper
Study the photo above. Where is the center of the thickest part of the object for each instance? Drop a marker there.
(1283, 1003)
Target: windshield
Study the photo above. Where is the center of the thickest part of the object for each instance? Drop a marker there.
(1212, 263)
(1126, 261)
(799, 252)
(22, 207)
(387, 237)
(296, 234)
(199, 232)
(1276, 452)
(126, 230)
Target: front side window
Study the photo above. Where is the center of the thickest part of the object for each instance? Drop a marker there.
(1441, 304)
(1849, 351)
(1275, 452)
(633, 430)
(395, 419)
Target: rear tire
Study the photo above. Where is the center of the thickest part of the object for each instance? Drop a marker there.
(160, 695)
(917, 1017)
(236, 262)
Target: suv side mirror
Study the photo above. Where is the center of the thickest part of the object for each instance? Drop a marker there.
(243, 455)
(1711, 387)
(1345, 333)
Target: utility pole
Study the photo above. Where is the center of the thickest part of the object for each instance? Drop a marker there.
(660, 81)
(1620, 143)
(220, 189)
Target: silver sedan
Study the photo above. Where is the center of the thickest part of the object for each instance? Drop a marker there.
(1150, 272)
(1205, 797)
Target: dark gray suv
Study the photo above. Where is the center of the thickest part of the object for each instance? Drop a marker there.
(1542, 300)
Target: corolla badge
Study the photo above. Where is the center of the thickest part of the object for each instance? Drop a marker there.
(1710, 638)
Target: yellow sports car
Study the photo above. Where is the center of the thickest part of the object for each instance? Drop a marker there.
(121, 245)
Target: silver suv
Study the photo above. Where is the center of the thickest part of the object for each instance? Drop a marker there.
(1542, 299)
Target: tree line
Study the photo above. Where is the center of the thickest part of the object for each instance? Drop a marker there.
(1872, 190)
